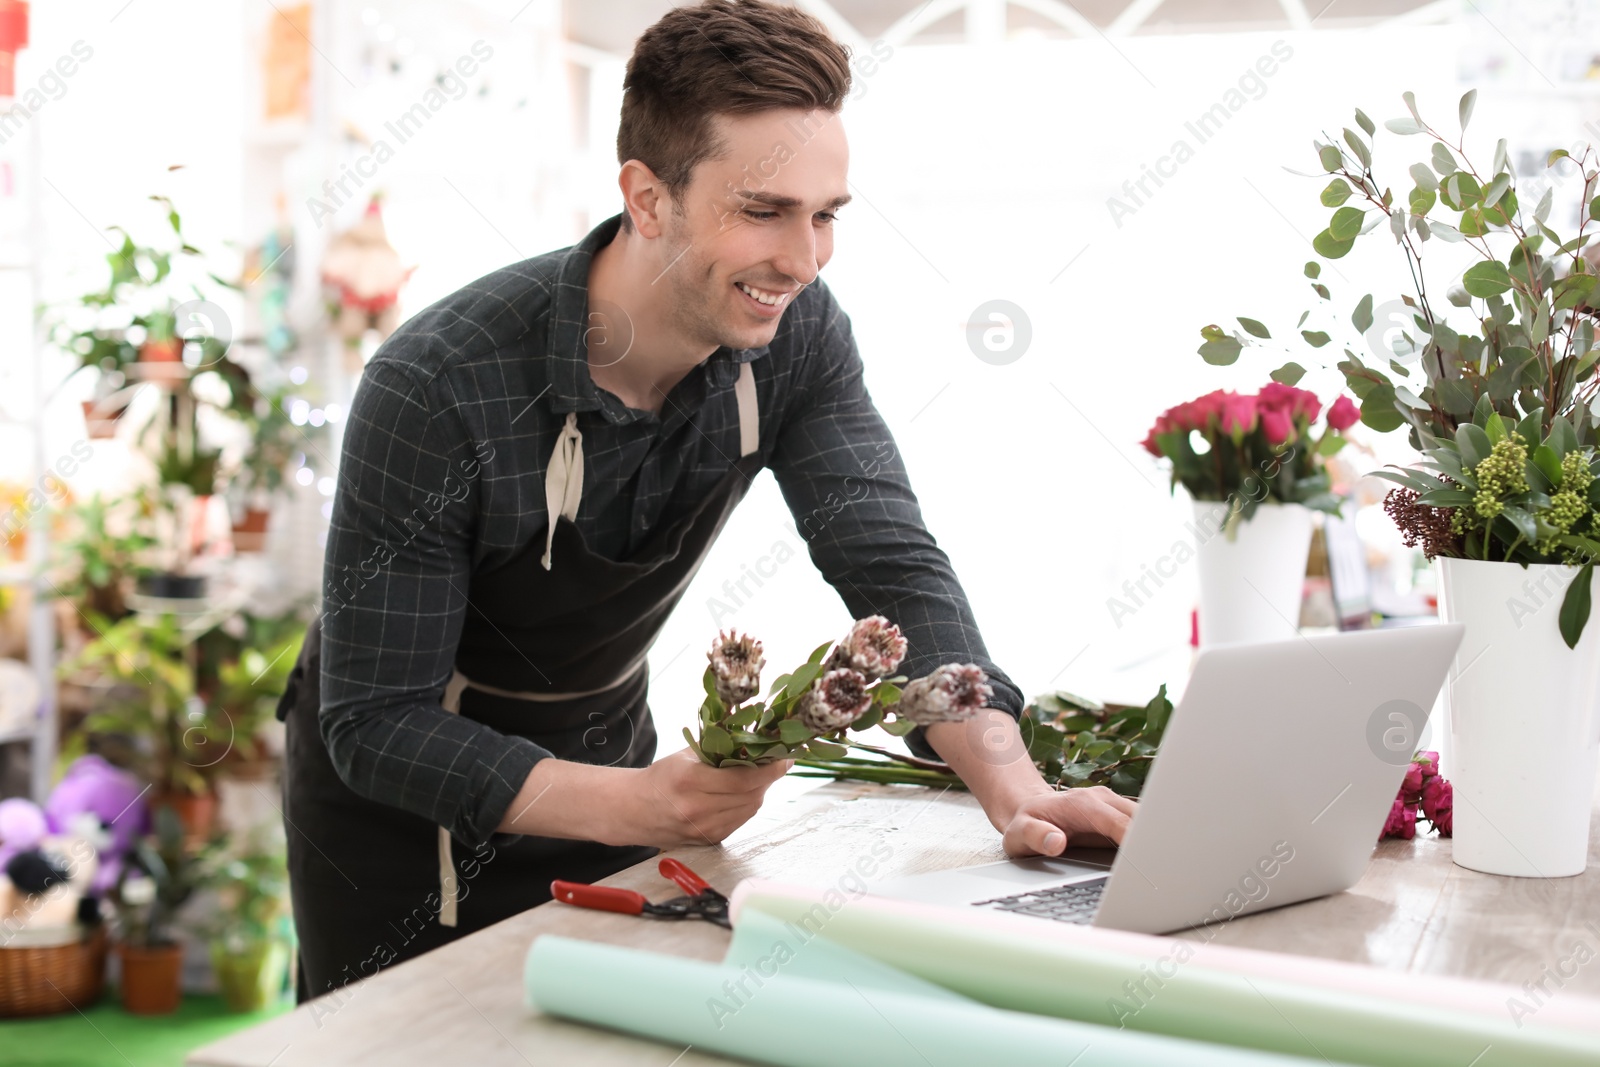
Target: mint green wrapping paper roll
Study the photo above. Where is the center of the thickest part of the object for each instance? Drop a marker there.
(1009, 970)
(860, 1013)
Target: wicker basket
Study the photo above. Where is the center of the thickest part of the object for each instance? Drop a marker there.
(43, 981)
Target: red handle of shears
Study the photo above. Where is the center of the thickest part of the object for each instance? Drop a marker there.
(687, 880)
(602, 898)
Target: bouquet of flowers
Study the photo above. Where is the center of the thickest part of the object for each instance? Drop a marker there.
(845, 685)
(1253, 447)
(1424, 794)
(1073, 741)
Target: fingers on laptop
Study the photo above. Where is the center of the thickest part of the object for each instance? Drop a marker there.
(1046, 824)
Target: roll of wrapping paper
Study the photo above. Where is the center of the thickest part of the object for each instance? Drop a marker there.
(1035, 969)
(819, 1005)
(1457, 994)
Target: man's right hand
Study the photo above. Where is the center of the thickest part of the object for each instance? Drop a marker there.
(675, 801)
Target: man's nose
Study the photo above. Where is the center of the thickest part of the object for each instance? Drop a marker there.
(797, 252)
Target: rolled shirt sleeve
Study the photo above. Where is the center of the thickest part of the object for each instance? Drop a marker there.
(846, 485)
(395, 578)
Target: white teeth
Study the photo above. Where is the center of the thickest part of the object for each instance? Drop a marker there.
(762, 295)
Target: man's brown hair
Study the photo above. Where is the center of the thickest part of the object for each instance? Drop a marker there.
(732, 57)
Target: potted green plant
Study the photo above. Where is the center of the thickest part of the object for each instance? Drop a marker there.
(274, 439)
(1497, 389)
(154, 722)
(162, 874)
(245, 697)
(249, 951)
(106, 549)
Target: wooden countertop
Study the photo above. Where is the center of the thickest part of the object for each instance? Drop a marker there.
(1413, 911)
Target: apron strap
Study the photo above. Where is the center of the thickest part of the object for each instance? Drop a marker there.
(563, 481)
(563, 478)
(448, 889)
(744, 390)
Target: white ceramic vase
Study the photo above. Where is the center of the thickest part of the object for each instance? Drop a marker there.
(1251, 582)
(1524, 726)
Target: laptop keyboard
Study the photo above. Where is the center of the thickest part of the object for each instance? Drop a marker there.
(1075, 902)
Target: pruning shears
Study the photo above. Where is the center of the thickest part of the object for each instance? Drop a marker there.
(700, 901)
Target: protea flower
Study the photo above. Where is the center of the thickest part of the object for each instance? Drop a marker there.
(834, 701)
(873, 646)
(951, 693)
(736, 663)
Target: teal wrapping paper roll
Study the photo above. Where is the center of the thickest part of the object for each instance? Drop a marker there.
(1009, 970)
(820, 1005)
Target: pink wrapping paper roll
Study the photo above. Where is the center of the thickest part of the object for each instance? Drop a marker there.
(1570, 1012)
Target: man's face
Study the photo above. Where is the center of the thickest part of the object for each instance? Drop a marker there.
(760, 217)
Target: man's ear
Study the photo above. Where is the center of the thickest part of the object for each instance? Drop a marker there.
(644, 198)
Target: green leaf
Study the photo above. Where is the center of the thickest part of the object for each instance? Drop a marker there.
(1220, 351)
(1446, 498)
(1404, 127)
(803, 677)
(1443, 161)
(1365, 123)
(1330, 157)
(1464, 109)
(1254, 328)
(816, 657)
(1522, 521)
(1330, 247)
(1422, 200)
(1336, 192)
(716, 740)
(1289, 373)
(1594, 208)
(1473, 443)
(1361, 318)
(1423, 176)
(1346, 223)
(825, 750)
(1575, 606)
(899, 727)
(1313, 268)
(694, 745)
(1315, 338)
(1359, 146)
(1544, 457)
(793, 732)
(1455, 396)
(1494, 426)
(1378, 409)
(1486, 279)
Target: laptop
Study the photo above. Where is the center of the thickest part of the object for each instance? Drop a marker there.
(1274, 780)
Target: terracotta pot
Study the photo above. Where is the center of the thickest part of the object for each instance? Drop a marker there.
(168, 351)
(250, 532)
(151, 978)
(196, 811)
(101, 426)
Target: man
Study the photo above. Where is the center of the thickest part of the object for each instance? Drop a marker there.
(533, 470)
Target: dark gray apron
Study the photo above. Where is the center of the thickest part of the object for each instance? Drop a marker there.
(371, 884)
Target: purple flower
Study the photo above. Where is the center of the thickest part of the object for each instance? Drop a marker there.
(873, 646)
(834, 701)
(951, 693)
(736, 663)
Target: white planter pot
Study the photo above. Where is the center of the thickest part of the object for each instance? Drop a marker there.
(1524, 727)
(1250, 585)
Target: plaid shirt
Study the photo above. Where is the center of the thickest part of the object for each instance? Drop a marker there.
(443, 474)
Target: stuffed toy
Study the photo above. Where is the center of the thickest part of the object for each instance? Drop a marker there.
(46, 883)
(104, 805)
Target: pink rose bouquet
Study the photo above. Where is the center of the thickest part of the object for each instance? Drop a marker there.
(1424, 794)
(1253, 447)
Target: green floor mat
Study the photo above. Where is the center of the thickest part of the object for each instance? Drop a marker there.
(106, 1035)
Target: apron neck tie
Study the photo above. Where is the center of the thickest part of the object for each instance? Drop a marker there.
(563, 481)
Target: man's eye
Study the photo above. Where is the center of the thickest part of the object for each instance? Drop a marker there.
(763, 215)
(827, 216)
